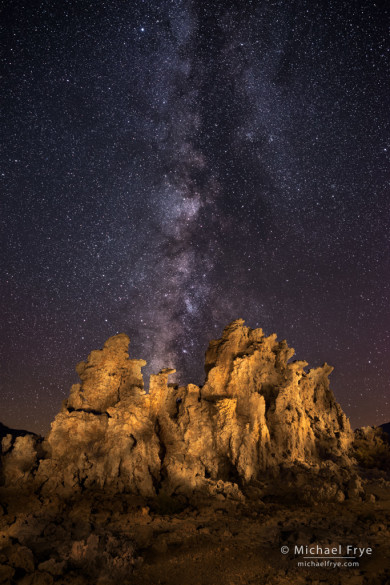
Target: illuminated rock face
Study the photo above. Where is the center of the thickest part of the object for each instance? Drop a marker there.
(254, 413)
(104, 437)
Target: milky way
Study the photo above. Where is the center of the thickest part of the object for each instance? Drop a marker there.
(168, 167)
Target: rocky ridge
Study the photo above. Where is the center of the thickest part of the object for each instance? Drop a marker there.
(209, 482)
(257, 416)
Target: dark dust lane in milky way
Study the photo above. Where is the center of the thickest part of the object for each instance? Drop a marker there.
(168, 167)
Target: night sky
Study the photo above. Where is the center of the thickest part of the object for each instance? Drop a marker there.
(170, 166)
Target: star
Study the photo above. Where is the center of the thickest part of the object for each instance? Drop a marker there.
(225, 165)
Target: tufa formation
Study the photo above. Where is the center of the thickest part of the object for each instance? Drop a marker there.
(257, 416)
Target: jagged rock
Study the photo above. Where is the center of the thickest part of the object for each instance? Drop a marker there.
(20, 458)
(104, 436)
(255, 412)
(108, 376)
(371, 448)
(20, 452)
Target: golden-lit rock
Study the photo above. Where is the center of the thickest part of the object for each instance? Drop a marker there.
(107, 376)
(104, 437)
(20, 458)
(257, 414)
(371, 448)
(255, 411)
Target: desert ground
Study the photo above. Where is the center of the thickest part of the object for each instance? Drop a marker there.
(166, 541)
